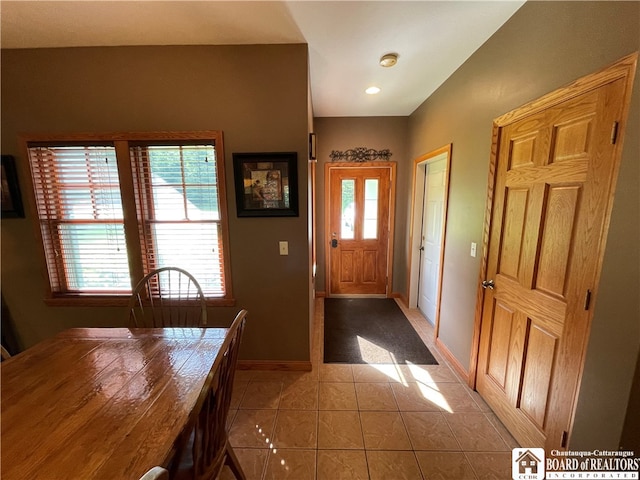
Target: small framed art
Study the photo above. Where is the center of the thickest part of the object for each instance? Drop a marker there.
(266, 184)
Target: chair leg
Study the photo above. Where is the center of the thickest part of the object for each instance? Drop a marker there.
(233, 463)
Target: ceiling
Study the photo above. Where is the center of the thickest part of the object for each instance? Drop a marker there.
(345, 38)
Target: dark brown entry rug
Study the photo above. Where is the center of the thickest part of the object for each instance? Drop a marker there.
(370, 330)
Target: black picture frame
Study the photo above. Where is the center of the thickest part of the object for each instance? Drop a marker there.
(266, 184)
(10, 189)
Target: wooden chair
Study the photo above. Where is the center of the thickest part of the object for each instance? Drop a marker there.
(156, 473)
(204, 449)
(167, 297)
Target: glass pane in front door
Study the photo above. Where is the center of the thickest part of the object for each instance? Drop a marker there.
(370, 208)
(348, 209)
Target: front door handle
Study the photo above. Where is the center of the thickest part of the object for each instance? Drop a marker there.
(334, 243)
(488, 284)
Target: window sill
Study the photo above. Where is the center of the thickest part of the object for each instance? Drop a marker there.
(116, 301)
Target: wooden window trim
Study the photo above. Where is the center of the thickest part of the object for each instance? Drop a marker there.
(122, 141)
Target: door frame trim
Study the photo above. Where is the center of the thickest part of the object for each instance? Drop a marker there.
(327, 217)
(415, 209)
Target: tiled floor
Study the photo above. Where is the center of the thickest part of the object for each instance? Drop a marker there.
(365, 422)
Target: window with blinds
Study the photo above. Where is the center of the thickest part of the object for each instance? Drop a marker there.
(113, 209)
(179, 210)
(81, 218)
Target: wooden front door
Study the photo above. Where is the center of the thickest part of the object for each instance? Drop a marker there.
(555, 167)
(358, 227)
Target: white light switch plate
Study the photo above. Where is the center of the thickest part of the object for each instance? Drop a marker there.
(284, 248)
(473, 249)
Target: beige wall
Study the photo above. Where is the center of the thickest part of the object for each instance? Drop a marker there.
(257, 95)
(379, 133)
(542, 47)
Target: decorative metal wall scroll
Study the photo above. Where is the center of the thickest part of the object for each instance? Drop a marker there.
(360, 154)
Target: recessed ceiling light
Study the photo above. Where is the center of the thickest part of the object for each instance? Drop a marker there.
(372, 90)
(389, 60)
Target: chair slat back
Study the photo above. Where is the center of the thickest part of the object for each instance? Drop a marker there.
(209, 435)
(167, 297)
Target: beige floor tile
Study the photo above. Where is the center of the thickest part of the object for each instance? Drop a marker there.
(458, 398)
(286, 464)
(490, 466)
(285, 376)
(230, 416)
(337, 396)
(393, 465)
(428, 373)
(475, 432)
(342, 465)
(335, 372)
(339, 430)
(375, 396)
(252, 428)
(384, 431)
(445, 466)
(261, 395)
(418, 397)
(268, 375)
(252, 461)
(380, 372)
(239, 387)
(312, 375)
(504, 433)
(429, 431)
(296, 429)
(243, 375)
(481, 403)
(301, 395)
(227, 474)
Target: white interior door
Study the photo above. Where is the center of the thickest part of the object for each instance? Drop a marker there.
(432, 232)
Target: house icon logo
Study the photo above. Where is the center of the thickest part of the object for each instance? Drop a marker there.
(527, 463)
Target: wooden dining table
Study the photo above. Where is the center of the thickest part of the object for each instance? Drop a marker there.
(101, 403)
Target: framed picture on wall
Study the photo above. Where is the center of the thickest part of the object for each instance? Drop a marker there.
(266, 184)
(10, 189)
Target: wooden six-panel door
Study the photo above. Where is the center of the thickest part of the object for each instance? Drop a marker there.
(552, 196)
(359, 212)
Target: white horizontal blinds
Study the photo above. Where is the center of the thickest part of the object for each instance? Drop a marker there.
(80, 212)
(179, 211)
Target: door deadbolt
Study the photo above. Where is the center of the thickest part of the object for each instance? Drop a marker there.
(334, 243)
